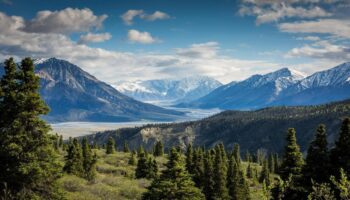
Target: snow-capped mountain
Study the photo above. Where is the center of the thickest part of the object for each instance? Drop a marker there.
(282, 87)
(167, 90)
(75, 95)
(254, 92)
(321, 87)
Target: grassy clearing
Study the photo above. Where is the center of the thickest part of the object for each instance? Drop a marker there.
(116, 180)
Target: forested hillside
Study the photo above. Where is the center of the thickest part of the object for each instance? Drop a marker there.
(261, 129)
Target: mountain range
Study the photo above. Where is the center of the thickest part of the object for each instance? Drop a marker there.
(282, 87)
(260, 129)
(74, 95)
(169, 91)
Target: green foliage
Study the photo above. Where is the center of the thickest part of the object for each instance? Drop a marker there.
(272, 163)
(74, 159)
(237, 153)
(317, 159)
(198, 167)
(220, 173)
(89, 161)
(292, 159)
(342, 185)
(132, 159)
(110, 147)
(142, 169)
(174, 183)
(29, 164)
(158, 149)
(209, 184)
(321, 192)
(265, 174)
(189, 159)
(340, 155)
(126, 147)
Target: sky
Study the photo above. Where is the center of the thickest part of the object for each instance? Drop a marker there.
(229, 40)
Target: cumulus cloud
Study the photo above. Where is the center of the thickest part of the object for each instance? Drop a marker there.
(335, 27)
(68, 20)
(322, 49)
(203, 50)
(91, 37)
(129, 16)
(274, 11)
(136, 36)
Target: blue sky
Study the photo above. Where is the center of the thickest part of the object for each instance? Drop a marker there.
(137, 39)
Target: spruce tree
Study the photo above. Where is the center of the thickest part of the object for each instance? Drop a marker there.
(237, 153)
(74, 159)
(250, 171)
(292, 159)
(60, 143)
(265, 174)
(126, 147)
(28, 160)
(317, 159)
(142, 169)
(132, 159)
(340, 155)
(89, 161)
(208, 186)
(174, 183)
(158, 149)
(237, 184)
(189, 159)
(198, 167)
(220, 173)
(110, 148)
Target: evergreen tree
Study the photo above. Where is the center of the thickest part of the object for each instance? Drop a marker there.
(159, 149)
(237, 184)
(342, 185)
(340, 155)
(74, 159)
(220, 173)
(292, 159)
(237, 153)
(265, 174)
(89, 161)
(272, 163)
(132, 159)
(174, 183)
(110, 148)
(60, 143)
(248, 157)
(250, 171)
(142, 169)
(317, 159)
(28, 160)
(189, 159)
(208, 186)
(198, 167)
(126, 147)
(152, 168)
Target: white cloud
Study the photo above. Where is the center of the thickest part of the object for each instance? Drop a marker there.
(335, 27)
(309, 38)
(91, 37)
(203, 50)
(129, 16)
(140, 37)
(9, 24)
(65, 21)
(321, 50)
(274, 11)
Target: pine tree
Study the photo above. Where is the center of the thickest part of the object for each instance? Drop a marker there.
(28, 160)
(110, 148)
(292, 159)
(198, 167)
(74, 159)
(317, 159)
(60, 143)
(236, 153)
(159, 149)
(272, 163)
(250, 171)
(189, 159)
(142, 169)
(126, 147)
(237, 184)
(340, 155)
(265, 174)
(220, 173)
(342, 185)
(132, 159)
(208, 187)
(174, 183)
(152, 168)
(89, 161)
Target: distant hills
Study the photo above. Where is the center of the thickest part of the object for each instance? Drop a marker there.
(75, 95)
(282, 87)
(260, 129)
(169, 91)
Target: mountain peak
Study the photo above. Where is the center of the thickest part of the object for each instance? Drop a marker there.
(287, 72)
